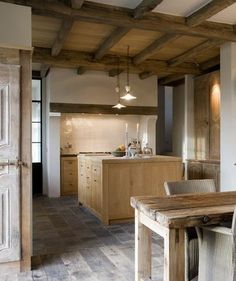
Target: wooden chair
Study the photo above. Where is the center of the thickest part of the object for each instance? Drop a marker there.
(191, 238)
(217, 253)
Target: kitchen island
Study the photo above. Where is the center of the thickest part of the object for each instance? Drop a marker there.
(106, 183)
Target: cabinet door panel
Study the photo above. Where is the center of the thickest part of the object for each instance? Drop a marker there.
(69, 176)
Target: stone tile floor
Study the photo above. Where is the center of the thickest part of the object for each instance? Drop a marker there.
(69, 243)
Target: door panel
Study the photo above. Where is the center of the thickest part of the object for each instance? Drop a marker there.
(9, 170)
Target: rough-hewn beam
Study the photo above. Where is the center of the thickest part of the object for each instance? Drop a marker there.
(101, 108)
(154, 47)
(207, 11)
(113, 72)
(76, 4)
(107, 14)
(194, 52)
(144, 7)
(109, 42)
(74, 59)
(81, 70)
(169, 79)
(145, 74)
(62, 35)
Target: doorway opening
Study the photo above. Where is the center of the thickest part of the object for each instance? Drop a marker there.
(37, 136)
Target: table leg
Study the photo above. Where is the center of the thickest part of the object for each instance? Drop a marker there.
(174, 258)
(143, 250)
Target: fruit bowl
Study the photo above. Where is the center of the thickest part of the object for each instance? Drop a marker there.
(118, 153)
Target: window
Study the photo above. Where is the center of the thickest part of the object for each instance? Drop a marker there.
(36, 121)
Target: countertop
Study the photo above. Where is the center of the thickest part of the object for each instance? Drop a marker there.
(111, 159)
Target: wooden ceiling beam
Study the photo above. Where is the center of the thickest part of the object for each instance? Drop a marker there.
(144, 7)
(76, 4)
(109, 42)
(207, 11)
(154, 47)
(194, 52)
(145, 74)
(62, 36)
(45, 69)
(74, 59)
(107, 14)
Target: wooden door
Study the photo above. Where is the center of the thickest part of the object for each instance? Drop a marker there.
(9, 164)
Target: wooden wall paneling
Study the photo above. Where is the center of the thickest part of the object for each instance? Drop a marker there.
(194, 170)
(214, 145)
(201, 117)
(26, 175)
(207, 116)
(204, 169)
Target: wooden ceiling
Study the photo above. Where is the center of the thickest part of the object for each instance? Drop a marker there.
(90, 36)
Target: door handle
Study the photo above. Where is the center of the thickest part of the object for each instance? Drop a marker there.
(17, 163)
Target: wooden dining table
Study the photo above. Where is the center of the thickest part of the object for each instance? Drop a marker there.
(169, 217)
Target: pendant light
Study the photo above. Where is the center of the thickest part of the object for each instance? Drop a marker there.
(117, 88)
(128, 95)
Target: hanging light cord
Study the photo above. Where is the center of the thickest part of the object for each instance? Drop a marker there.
(128, 65)
(118, 78)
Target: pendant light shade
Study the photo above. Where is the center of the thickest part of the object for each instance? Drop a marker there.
(128, 95)
(118, 106)
(117, 88)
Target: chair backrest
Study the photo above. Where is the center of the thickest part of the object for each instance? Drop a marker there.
(190, 186)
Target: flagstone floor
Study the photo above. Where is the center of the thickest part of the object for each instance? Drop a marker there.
(69, 243)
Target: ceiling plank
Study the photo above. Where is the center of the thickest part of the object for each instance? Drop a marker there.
(145, 75)
(154, 47)
(194, 52)
(62, 36)
(170, 79)
(144, 7)
(107, 14)
(114, 72)
(210, 63)
(207, 11)
(110, 41)
(76, 4)
(74, 59)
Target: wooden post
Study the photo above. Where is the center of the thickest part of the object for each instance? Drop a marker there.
(26, 190)
(143, 250)
(174, 258)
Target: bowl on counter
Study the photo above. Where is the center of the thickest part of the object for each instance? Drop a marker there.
(118, 153)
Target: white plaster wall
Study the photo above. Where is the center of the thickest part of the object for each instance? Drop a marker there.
(178, 120)
(96, 87)
(189, 128)
(54, 156)
(228, 116)
(15, 26)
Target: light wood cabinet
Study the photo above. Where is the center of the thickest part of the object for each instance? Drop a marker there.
(69, 176)
(106, 184)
